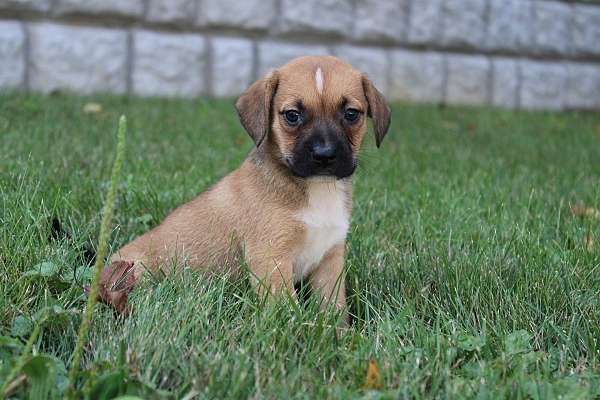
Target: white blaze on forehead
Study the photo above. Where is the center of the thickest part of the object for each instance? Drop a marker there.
(319, 80)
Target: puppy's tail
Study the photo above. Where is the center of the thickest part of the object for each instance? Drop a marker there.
(117, 279)
(86, 253)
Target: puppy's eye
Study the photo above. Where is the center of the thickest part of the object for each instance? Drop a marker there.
(292, 117)
(351, 115)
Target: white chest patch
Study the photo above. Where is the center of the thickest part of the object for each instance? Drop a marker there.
(326, 220)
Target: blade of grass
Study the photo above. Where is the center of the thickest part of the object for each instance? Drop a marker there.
(22, 359)
(109, 206)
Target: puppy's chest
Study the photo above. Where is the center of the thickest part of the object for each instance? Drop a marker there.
(326, 220)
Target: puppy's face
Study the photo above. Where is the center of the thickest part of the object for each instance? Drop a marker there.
(314, 112)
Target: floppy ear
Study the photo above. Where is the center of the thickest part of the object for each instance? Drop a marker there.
(254, 107)
(379, 111)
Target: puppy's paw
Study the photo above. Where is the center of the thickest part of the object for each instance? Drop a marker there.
(116, 282)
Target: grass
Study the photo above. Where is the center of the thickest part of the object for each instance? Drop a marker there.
(468, 274)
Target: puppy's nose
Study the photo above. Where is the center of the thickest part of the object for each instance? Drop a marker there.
(324, 153)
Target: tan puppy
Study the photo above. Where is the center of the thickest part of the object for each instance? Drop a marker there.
(286, 210)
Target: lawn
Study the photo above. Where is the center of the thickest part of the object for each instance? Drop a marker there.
(473, 257)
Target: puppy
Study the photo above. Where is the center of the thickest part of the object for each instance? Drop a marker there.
(285, 212)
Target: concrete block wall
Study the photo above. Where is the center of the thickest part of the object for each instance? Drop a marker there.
(534, 54)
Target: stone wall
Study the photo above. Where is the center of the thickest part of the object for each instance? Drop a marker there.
(537, 54)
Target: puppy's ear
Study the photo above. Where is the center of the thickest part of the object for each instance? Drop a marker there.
(254, 107)
(379, 110)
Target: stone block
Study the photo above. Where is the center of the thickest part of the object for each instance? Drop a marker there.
(168, 64)
(372, 61)
(35, 5)
(381, 20)
(464, 23)
(505, 83)
(124, 8)
(247, 14)
(583, 86)
(12, 54)
(468, 79)
(425, 23)
(510, 25)
(551, 27)
(543, 85)
(171, 11)
(316, 17)
(275, 54)
(232, 66)
(586, 29)
(416, 76)
(75, 58)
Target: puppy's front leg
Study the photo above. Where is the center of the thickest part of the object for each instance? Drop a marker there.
(272, 276)
(327, 280)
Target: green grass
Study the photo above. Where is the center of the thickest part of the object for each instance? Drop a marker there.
(467, 273)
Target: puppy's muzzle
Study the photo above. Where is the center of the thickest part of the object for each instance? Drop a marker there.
(324, 155)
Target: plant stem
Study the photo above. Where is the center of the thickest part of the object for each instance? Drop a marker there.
(102, 248)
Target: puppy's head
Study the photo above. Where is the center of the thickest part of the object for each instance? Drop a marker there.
(313, 111)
